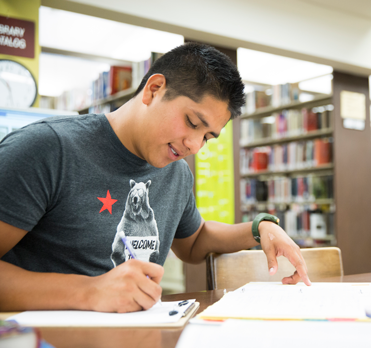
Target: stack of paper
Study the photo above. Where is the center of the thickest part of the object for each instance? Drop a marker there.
(323, 315)
(161, 314)
(321, 301)
(277, 334)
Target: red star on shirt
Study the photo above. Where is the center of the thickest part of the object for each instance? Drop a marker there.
(107, 202)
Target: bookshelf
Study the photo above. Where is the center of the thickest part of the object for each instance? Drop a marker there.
(320, 168)
(117, 98)
(267, 110)
(265, 205)
(307, 136)
(349, 202)
(293, 183)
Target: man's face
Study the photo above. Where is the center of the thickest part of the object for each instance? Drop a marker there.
(180, 127)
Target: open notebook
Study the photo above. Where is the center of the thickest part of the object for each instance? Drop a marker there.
(164, 314)
(321, 301)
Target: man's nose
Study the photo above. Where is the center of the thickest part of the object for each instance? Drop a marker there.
(194, 144)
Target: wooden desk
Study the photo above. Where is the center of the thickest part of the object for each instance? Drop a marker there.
(120, 337)
(354, 278)
(143, 338)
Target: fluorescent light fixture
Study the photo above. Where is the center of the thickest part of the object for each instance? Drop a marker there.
(321, 84)
(271, 69)
(91, 35)
(59, 73)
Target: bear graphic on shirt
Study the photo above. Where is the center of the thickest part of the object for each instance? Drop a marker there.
(138, 224)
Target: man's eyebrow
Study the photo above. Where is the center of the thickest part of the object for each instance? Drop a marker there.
(204, 122)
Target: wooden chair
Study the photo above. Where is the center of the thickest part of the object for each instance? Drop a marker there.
(227, 271)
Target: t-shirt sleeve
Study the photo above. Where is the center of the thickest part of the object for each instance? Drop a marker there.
(29, 160)
(191, 219)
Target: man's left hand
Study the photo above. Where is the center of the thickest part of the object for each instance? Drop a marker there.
(275, 242)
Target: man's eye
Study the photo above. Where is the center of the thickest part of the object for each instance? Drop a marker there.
(190, 123)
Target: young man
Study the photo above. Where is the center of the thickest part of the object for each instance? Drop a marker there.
(73, 188)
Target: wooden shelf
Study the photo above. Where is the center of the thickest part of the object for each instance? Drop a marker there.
(306, 136)
(263, 205)
(327, 238)
(125, 94)
(323, 167)
(303, 241)
(266, 111)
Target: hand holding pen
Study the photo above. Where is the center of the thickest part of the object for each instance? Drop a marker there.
(132, 253)
(124, 288)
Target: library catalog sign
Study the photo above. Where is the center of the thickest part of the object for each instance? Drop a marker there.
(17, 37)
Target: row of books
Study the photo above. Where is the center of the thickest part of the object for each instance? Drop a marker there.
(117, 79)
(110, 82)
(302, 222)
(275, 96)
(100, 109)
(307, 223)
(74, 99)
(290, 156)
(285, 124)
(279, 189)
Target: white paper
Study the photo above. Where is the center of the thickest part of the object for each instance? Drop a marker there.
(158, 314)
(277, 301)
(276, 334)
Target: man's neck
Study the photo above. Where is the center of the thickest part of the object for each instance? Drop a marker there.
(124, 122)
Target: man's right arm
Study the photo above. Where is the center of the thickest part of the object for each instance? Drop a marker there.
(125, 288)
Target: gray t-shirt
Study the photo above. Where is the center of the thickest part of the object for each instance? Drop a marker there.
(72, 184)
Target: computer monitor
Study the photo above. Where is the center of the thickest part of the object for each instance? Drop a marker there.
(13, 118)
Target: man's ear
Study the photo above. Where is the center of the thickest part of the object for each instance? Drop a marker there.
(155, 86)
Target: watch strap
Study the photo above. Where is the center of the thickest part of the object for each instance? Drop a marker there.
(258, 219)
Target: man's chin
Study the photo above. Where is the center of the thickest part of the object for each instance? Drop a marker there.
(159, 164)
(162, 162)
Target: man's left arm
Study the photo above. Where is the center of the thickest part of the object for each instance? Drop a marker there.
(220, 238)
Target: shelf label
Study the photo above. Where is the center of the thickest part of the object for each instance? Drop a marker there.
(17, 37)
(353, 109)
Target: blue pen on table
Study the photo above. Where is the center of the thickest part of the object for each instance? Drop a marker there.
(132, 253)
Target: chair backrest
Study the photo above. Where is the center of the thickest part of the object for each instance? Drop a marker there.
(227, 271)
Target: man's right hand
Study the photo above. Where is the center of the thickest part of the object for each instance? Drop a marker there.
(126, 288)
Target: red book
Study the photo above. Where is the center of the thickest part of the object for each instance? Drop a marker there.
(307, 221)
(326, 151)
(260, 160)
(304, 113)
(312, 121)
(120, 78)
(300, 187)
(322, 153)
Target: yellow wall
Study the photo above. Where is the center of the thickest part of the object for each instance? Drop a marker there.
(26, 10)
(215, 178)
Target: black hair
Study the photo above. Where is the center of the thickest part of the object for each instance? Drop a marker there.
(195, 70)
